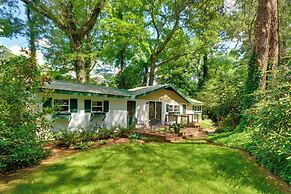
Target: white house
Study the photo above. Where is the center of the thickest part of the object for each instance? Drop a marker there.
(84, 105)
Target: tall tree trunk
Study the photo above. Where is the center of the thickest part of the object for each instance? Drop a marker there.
(274, 38)
(31, 35)
(122, 68)
(204, 73)
(152, 70)
(145, 76)
(266, 41)
(205, 67)
(88, 58)
(262, 38)
(78, 61)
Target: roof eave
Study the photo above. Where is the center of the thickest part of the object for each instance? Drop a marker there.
(59, 91)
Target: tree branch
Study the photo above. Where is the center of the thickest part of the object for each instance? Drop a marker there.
(176, 57)
(87, 27)
(44, 10)
(170, 35)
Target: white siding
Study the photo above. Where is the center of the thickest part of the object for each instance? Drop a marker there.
(117, 114)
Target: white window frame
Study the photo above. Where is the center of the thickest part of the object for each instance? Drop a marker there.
(172, 109)
(102, 106)
(197, 108)
(55, 104)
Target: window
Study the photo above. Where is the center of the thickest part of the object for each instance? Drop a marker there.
(184, 108)
(97, 106)
(173, 108)
(197, 108)
(63, 105)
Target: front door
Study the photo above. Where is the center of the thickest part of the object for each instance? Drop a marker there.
(155, 110)
(131, 105)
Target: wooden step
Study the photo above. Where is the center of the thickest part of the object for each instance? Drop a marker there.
(175, 139)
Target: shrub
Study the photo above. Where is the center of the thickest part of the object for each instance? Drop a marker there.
(102, 142)
(83, 145)
(19, 116)
(267, 136)
(176, 127)
(134, 136)
(207, 123)
(82, 138)
(223, 129)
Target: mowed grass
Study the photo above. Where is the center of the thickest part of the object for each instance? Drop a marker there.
(148, 168)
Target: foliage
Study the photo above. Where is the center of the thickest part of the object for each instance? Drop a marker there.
(134, 136)
(102, 142)
(176, 127)
(207, 123)
(251, 83)
(268, 134)
(19, 115)
(82, 138)
(222, 92)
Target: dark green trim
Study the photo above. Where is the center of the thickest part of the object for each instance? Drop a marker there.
(87, 105)
(106, 106)
(48, 103)
(73, 105)
(89, 94)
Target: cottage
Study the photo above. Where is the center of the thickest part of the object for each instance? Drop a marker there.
(84, 105)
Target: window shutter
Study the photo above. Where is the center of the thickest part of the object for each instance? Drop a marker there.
(47, 103)
(87, 105)
(106, 106)
(73, 105)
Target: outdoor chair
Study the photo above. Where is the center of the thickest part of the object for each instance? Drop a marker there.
(140, 124)
(155, 123)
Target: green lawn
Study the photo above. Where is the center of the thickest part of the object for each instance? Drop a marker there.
(148, 168)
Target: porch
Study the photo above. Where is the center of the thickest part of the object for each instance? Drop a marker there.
(190, 120)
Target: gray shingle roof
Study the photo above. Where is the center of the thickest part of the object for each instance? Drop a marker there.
(80, 88)
(145, 89)
(196, 102)
(85, 88)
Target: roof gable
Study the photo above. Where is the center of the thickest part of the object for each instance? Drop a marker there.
(140, 91)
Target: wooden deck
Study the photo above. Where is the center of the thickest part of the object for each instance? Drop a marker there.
(185, 133)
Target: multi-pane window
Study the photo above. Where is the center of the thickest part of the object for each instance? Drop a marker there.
(62, 104)
(97, 106)
(197, 108)
(173, 108)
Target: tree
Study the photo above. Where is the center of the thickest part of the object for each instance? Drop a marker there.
(174, 35)
(223, 91)
(76, 19)
(123, 33)
(266, 38)
(19, 114)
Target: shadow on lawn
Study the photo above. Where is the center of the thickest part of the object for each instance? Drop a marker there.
(137, 166)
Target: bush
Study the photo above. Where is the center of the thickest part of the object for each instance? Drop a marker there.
(134, 136)
(102, 142)
(267, 136)
(176, 127)
(207, 124)
(223, 129)
(19, 116)
(83, 137)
